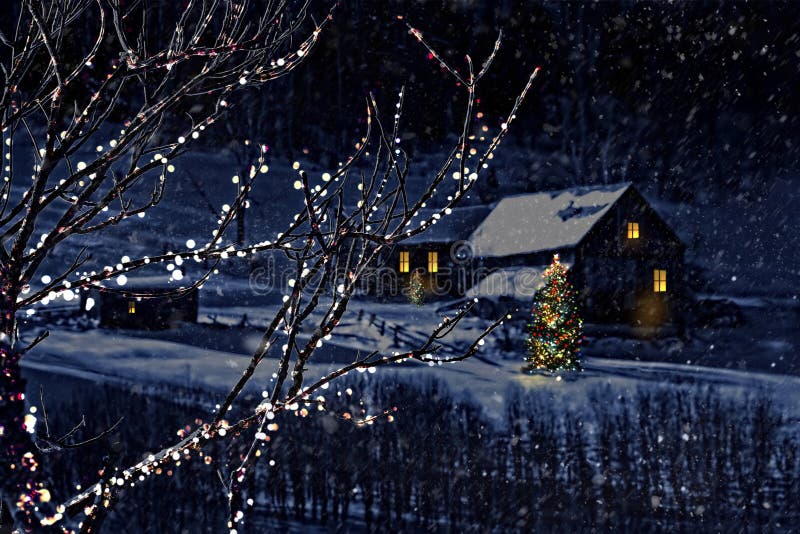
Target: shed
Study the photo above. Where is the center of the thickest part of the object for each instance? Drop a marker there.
(147, 303)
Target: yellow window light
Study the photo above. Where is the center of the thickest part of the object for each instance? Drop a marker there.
(633, 230)
(405, 264)
(131, 306)
(659, 281)
(433, 262)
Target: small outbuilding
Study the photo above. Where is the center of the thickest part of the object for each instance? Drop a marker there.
(148, 303)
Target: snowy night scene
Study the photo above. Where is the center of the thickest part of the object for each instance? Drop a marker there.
(433, 266)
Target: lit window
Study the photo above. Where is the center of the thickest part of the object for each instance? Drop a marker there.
(404, 262)
(659, 281)
(433, 262)
(131, 306)
(633, 230)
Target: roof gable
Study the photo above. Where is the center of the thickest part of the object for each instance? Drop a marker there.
(549, 220)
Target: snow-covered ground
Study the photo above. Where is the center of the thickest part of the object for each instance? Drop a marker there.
(212, 356)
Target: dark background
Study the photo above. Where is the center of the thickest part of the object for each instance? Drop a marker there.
(690, 95)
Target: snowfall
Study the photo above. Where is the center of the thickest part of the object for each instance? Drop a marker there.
(759, 355)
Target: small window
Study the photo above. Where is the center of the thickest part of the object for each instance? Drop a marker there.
(633, 230)
(433, 262)
(404, 261)
(659, 281)
(131, 306)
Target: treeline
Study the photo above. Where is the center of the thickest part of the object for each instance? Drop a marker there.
(691, 96)
(647, 459)
(644, 459)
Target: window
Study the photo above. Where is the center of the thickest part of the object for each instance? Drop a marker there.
(433, 262)
(659, 281)
(131, 306)
(404, 261)
(633, 230)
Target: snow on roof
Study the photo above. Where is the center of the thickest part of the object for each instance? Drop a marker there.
(458, 225)
(549, 220)
(153, 281)
(521, 283)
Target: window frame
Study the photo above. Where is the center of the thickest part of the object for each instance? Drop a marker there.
(433, 261)
(131, 307)
(659, 280)
(633, 230)
(404, 265)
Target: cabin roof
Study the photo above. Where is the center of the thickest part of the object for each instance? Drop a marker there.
(457, 226)
(153, 282)
(548, 220)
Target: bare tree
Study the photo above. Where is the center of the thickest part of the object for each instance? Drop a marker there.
(349, 218)
(167, 73)
(245, 130)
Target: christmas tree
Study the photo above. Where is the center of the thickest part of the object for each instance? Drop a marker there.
(416, 291)
(555, 329)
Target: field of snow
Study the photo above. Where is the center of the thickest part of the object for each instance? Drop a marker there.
(212, 355)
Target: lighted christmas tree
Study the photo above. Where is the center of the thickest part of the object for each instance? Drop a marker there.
(554, 333)
(416, 291)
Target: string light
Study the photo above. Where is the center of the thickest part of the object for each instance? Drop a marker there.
(555, 329)
(416, 290)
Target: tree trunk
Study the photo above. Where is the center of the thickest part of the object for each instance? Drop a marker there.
(14, 440)
(20, 461)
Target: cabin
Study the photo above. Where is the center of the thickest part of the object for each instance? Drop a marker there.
(624, 260)
(157, 311)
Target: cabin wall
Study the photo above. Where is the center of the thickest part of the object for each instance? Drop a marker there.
(615, 273)
(387, 282)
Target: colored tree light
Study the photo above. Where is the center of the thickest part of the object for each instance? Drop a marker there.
(416, 290)
(554, 333)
